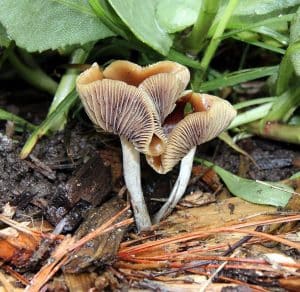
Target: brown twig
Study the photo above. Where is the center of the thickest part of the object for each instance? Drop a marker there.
(60, 255)
(15, 274)
(200, 234)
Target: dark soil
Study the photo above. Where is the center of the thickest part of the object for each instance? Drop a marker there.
(38, 186)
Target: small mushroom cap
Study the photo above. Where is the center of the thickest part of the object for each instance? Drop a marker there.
(134, 74)
(163, 81)
(121, 109)
(211, 116)
(164, 89)
(91, 74)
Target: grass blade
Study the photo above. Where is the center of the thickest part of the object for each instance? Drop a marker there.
(7, 116)
(237, 77)
(51, 120)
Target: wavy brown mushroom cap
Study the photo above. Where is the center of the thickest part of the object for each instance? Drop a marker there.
(211, 115)
(121, 109)
(163, 81)
(164, 90)
(134, 74)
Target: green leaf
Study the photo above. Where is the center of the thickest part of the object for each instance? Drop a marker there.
(284, 106)
(270, 193)
(295, 42)
(237, 77)
(48, 123)
(224, 136)
(251, 115)
(295, 175)
(251, 102)
(139, 16)
(294, 120)
(251, 11)
(295, 28)
(289, 70)
(39, 25)
(269, 22)
(183, 59)
(66, 85)
(4, 40)
(176, 15)
(7, 116)
(261, 45)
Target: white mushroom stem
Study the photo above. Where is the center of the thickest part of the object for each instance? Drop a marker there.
(132, 176)
(179, 187)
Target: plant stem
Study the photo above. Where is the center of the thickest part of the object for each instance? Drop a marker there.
(251, 102)
(43, 128)
(251, 115)
(113, 24)
(183, 59)
(286, 69)
(4, 54)
(66, 85)
(276, 131)
(35, 77)
(284, 106)
(216, 39)
(206, 16)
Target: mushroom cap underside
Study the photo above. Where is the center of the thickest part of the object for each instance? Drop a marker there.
(122, 109)
(137, 113)
(163, 81)
(194, 129)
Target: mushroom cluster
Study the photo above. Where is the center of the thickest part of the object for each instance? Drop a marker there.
(152, 113)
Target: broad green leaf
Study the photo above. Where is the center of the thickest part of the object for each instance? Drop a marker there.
(267, 193)
(4, 40)
(39, 25)
(139, 16)
(176, 15)
(251, 11)
(269, 22)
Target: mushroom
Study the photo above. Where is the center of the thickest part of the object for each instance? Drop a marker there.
(115, 104)
(210, 115)
(127, 111)
(145, 107)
